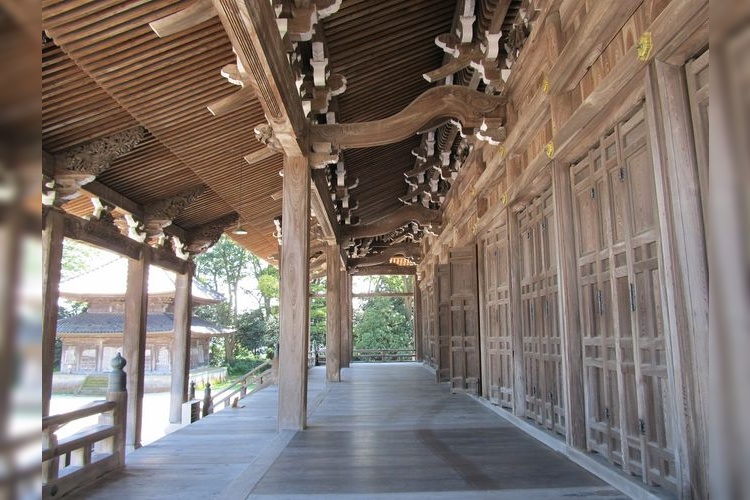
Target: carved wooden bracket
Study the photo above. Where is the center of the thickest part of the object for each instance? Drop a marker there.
(160, 214)
(407, 250)
(79, 165)
(204, 237)
(404, 215)
(265, 135)
(467, 106)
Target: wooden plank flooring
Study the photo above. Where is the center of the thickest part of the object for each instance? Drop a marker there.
(385, 431)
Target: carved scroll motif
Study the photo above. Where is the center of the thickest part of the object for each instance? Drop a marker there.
(160, 214)
(265, 135)
(79, 165)
(204, 237)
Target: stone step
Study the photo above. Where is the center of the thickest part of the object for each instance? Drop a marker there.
(94, 385)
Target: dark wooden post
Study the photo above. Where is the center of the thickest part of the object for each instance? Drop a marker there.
(294, 311)
(191, 393)
(134, 344)
(333, 313)
(346, 297)
(52, 248)
(207, 405)
(570, 320)
(514, 247)
(684, 255)
(117, 392)
(181, 344)
(418, 338)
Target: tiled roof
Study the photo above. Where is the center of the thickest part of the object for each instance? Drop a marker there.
(109, 280)
(93, 322)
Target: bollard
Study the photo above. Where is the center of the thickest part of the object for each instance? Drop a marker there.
(207, 405)
(117, 392)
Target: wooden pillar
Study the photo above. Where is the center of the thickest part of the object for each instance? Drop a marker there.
(52, 248)
(181, 343)
(514, 252)
(294, 307)
(11, 239)
(346, 297)
(134, 344)
(685, 265)
(418, 337)
(333, 313)
(570, 320)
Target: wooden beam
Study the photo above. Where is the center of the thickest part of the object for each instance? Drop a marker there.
(383, 294)
(96, 188)
(260, 155)
(322, 207)
(134, 345)
(570, 320)
(333, 313)
(387, 269)
(194, 14)
(430, 109)
(409, 250)
(252, 30)
(417, 213)
(293, 307)
(183, 313)
(52, 248)
(602, 22)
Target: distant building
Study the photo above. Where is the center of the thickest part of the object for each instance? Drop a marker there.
(91, 339)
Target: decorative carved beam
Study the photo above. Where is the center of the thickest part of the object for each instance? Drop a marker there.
(79, 165)
(202, 238)
(160, 214)
(408, 250)
(467, 106)
(402, 216)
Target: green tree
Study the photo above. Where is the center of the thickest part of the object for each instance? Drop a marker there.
(222, 268)
(385, 322)
(318, 312)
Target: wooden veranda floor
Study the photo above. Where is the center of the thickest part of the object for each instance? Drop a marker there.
(387, 430)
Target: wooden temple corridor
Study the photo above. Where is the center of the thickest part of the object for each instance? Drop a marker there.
(387, 430)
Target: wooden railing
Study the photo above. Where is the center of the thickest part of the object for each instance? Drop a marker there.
(252, 381)
(381, 355)
(19, 476)
(375, 355)
(74, 461)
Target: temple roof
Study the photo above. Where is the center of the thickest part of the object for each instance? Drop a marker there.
(158, 322)
(109, 280)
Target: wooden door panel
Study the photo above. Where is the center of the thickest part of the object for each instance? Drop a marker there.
(465, 360)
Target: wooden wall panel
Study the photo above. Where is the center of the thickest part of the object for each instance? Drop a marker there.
(697, 82)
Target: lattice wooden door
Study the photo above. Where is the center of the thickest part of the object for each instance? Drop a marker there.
(443, 296)
(625, 356)
(542, 346)
(465, 366)
(498, 338)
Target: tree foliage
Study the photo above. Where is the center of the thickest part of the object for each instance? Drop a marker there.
(385, 322)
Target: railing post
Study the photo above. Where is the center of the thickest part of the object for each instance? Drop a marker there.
(191, 392)
(207, 405)
(116, 392)
(50, 468)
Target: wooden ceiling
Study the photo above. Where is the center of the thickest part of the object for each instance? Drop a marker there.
(104, 70)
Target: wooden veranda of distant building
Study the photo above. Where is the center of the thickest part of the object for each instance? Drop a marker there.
(540, 166)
